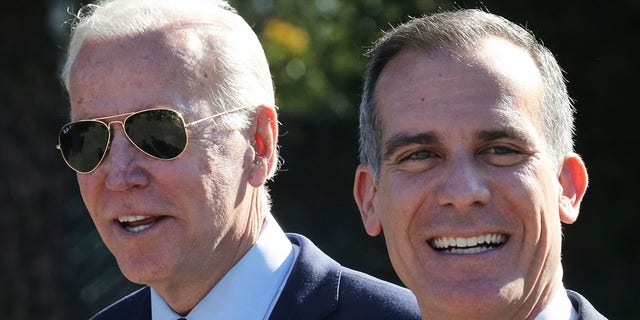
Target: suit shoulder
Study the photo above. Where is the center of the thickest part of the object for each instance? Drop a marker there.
(320, 288)
(586, 311)
(381, 299)
(136, 305)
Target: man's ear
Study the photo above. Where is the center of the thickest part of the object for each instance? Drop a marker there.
(265, 140)
(573, 180)
(364, 192)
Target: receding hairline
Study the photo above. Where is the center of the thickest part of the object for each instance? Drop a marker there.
(462, 29)
(85, 28)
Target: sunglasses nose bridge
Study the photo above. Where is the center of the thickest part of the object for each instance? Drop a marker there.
(124, 131)
(115, 122)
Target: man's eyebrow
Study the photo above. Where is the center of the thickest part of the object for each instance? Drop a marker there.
(503, 133)
(400, 140)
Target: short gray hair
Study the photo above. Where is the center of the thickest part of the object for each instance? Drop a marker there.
(459, 31)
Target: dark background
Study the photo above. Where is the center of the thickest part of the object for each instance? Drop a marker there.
(54, 266)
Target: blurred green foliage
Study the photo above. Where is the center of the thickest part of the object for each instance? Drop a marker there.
(315, 48)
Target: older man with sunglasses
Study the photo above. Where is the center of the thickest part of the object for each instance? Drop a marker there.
(173, 136)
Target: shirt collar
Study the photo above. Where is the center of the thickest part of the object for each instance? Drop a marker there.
(559, 308)
(250, 289)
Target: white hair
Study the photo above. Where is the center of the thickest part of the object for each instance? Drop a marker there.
(225, 65)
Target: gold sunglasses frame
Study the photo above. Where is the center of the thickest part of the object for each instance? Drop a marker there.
(127, 115)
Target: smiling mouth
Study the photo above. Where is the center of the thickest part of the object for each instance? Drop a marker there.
(470, 245)
(137, 223)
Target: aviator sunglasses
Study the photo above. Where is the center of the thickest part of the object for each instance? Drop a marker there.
(159, 133)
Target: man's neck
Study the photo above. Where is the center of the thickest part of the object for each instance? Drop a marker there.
(183, 292)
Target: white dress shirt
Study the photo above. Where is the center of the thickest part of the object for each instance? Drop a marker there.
(250, 289)
(559, 308)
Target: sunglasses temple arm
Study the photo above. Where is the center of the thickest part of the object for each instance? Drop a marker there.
(214, 116)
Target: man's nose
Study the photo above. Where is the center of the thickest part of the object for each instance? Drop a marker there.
(123, 163)
(464, 184)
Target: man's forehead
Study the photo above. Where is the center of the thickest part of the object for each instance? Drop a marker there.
(417, 79)
(140, 55)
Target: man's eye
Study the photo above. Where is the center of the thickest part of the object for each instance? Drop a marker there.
(504, 156)
(502, 150)
(415, 160)
(418, 155)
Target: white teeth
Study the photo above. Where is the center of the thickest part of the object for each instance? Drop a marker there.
(138, 228)
(468, 245)
(127, 222)
(132, 218)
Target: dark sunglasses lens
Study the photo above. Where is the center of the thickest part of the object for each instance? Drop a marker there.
(160, 133)
(84, 144)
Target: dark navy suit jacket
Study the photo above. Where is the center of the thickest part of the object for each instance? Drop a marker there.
(585, 310)
(317, 288)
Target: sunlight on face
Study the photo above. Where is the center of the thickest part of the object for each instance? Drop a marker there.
(466, 197)
(171, 224)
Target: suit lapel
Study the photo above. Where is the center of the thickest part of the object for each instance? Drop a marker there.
(583, 307)
(311, 291)
(136, 306)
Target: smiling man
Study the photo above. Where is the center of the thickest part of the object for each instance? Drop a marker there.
(467, 166)
(173, 137)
